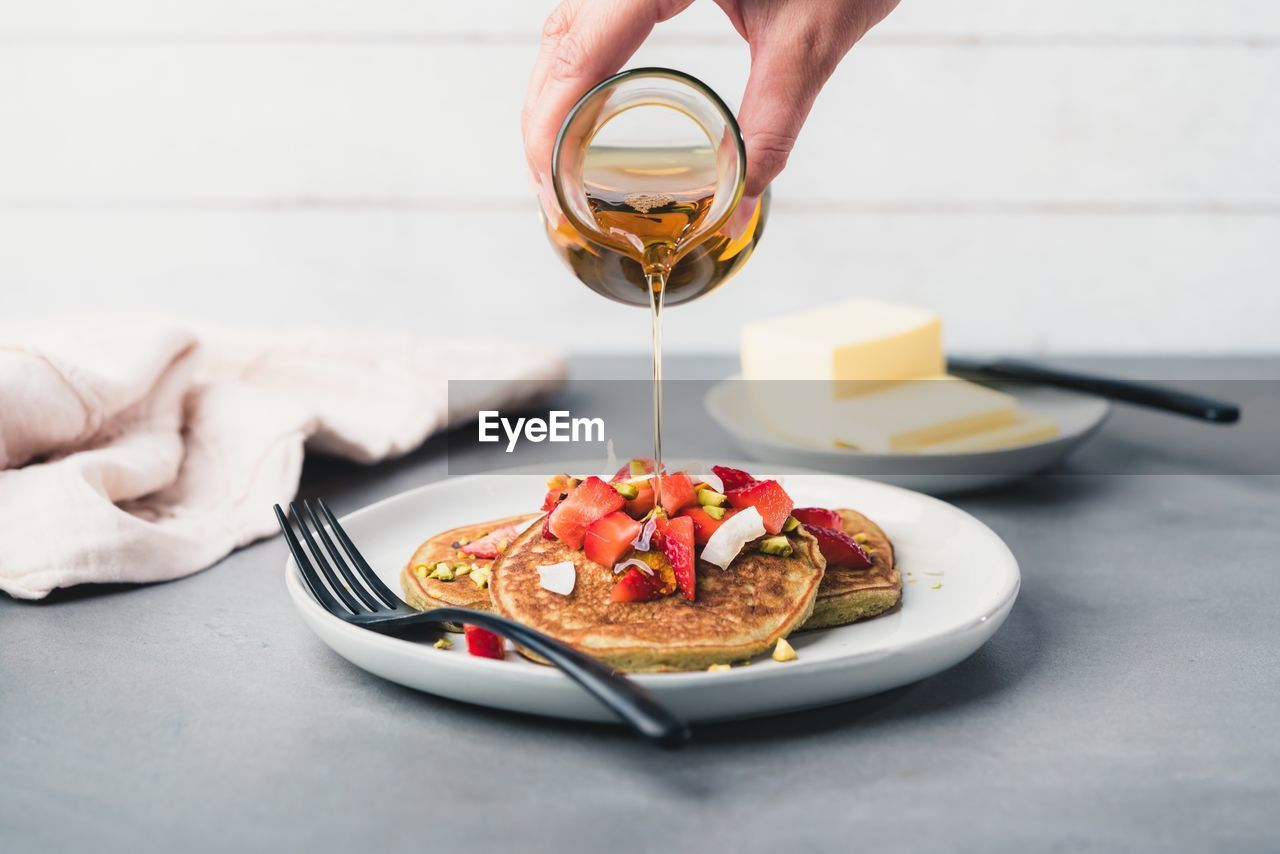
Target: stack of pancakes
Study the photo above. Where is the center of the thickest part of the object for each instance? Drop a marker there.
(737, 614)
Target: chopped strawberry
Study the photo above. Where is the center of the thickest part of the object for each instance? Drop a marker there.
(546, 528)
(482, 642)
(818, 516)
(676, 538)
(491, 544)
(642, 503)
(637, 586)
(703, 525)
(734, 478)
(609, 537)
(768, 497)
(839, 548)
(677, 492)
(592, 499)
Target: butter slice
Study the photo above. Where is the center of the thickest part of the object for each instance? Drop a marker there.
(853, 344)
(909, 416)
(1027, 427)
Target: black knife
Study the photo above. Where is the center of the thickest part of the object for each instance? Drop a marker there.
(1127, 391)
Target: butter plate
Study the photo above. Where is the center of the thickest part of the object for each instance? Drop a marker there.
(1079, 416)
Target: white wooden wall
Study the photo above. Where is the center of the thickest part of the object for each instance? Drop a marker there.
(1095, 175)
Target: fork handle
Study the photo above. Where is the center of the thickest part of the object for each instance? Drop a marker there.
(636, 706)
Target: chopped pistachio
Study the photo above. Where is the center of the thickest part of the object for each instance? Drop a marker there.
(936, 585)
(710, 498)
(480, 579)
(443, 571)
(443, 643)
(716, 668)
(778, 545)
(638, 467)
(790, 525)
(463, 569)
(860, 538)
(784, 651)
(420, 570)
(716, 513)
(627, 490)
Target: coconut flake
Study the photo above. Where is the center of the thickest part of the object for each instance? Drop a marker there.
(641, 542)
(638, 564)
(524, 526)
(610, 462)
(558, 577)
(712, 480)
(730, 537)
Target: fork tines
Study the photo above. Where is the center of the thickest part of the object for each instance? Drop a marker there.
(358, 590)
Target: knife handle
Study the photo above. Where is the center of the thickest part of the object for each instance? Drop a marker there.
(1127, 391)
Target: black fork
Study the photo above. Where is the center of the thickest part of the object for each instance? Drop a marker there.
(355, 593)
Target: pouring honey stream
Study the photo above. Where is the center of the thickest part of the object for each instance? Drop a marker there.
(648, 171)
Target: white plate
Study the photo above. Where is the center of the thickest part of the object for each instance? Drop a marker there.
(1079, 416)
(932, 630)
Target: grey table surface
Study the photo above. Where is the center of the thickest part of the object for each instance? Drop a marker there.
(1129, 703)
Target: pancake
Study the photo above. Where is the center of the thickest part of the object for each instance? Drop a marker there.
(427, 593)
(847, 595)
(737, 614)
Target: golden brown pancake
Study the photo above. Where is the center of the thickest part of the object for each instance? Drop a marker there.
(847, 595)
(427, 593)
(738, 613)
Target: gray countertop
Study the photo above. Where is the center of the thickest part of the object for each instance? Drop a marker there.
(1129, 703)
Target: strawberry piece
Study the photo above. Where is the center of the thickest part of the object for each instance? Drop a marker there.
(677, 492)
(592, 499)
(609, 537)
(703, 525)
(734, 478)
(676, 537)
(642, 503)
(546, 528)
(482, 642)
(818, 516)
(839, 548)
(491, 544)
(636, 586)
(769, 498)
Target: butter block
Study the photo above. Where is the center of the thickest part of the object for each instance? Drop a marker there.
(909, 416)
(1027, 427)
(853, 345)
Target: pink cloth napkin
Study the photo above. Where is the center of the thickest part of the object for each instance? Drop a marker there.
(142, 449)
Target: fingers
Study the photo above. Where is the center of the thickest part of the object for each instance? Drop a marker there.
(795, 47)
(583, 42)
(787, 71)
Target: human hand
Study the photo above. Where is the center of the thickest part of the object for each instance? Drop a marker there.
(795, 46)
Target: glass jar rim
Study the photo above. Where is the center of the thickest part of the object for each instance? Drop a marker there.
(716, 102)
